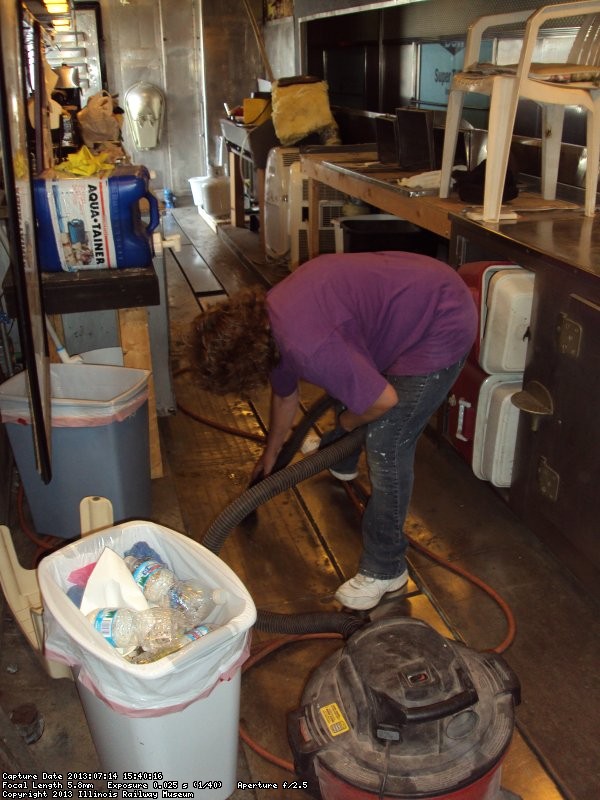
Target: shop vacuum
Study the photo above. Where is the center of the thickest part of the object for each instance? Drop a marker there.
(400, 712)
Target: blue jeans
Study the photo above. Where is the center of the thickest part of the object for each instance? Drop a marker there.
(390, 446)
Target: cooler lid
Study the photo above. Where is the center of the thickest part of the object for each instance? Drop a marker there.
(496, 425)
(509, 300)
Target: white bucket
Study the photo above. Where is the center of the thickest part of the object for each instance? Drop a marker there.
(215, 196)
(196, 185)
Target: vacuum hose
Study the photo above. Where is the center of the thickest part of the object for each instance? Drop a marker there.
(315, 412)
(285, 478)
(278, 482)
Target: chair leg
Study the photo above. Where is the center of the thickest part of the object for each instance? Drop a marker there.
(593, 159)
(453, 118)
(500, 128)
(552, 127)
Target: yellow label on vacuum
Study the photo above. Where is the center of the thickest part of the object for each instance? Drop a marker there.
(334, 719)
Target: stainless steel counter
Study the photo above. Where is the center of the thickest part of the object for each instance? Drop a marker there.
(561, 237)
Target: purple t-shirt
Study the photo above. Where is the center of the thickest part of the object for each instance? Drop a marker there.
(343, 321)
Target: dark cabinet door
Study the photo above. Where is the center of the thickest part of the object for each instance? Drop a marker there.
(555, 481)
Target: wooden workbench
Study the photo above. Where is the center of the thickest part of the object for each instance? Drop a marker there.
(360, 176)
(376, 187)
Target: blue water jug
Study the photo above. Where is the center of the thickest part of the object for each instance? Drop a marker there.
(94, 222)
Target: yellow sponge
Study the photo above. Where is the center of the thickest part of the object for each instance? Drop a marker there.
(300, 109)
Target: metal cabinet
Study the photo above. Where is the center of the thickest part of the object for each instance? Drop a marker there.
(557, 459)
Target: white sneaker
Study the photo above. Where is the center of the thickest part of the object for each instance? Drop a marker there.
(311, 445)
(344, 476)
(362, 592)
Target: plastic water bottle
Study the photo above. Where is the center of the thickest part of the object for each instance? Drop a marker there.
(152, 629)
(193, 599)
(153, 577)
(161, 586)
(178, 644)
(169, 198)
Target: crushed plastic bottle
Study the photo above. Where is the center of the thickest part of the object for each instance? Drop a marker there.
(178, 644)
(153, 577)
(161, 586)
(193, 599)
(152, 629)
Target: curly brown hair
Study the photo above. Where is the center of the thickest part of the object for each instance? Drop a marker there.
(232, 344)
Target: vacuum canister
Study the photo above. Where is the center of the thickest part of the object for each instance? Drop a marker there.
(402, 712)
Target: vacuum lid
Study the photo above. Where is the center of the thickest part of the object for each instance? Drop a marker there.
(402, 700)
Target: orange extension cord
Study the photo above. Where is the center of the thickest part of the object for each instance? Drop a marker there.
(261, 652)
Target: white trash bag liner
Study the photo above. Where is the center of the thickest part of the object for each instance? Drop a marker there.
(82, 395)
(173, 682)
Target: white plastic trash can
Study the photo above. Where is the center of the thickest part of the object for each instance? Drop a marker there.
(176, 719)
(99, 444)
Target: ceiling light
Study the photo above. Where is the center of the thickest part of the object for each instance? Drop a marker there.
(57, 7)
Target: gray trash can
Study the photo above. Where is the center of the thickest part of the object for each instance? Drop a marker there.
(99, 444)
(174, 722)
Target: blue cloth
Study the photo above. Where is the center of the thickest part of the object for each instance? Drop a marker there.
(75, 593)
(143, 550)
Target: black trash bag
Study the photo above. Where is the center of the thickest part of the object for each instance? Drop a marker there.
(470, 184)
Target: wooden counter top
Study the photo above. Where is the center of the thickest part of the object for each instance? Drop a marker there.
(381, 189)
(563, 237)
(560, 231)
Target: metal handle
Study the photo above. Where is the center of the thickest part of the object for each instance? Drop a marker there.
(535, 400)
(463, 406)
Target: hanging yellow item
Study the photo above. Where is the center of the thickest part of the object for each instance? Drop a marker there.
(256, 110)
(85, 163)
(301, 107)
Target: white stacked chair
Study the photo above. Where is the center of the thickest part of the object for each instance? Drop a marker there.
(554, 86)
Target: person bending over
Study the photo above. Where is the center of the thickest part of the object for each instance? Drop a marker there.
(386, 334)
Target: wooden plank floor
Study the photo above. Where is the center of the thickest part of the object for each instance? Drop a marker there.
(295, 550)
(302, 544)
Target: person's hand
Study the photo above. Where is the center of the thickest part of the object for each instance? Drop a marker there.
(283, 410)
(262, 468)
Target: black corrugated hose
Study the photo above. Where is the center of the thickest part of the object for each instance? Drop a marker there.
(285, 477)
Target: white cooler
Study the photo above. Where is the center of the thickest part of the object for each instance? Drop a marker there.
(482, 422)
(496, 424)
(506, 317)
